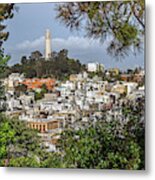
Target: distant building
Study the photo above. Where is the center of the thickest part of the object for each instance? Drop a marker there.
(126, 77)
(114, 71)
(139, 78)
(13, 81)
(95, 67)
(119, 88)
(37, 83)
(131, 86)
(73, 77)
(78, 77)
(125, 88)
(43, 125)
(48, 51)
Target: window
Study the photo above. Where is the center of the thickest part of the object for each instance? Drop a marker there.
(44, 128)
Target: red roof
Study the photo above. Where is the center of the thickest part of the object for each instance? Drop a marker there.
(36, 83)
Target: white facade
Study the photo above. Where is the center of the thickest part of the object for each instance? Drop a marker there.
(47, 44)
(131, 86)
(94, 67)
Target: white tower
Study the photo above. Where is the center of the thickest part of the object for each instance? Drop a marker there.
(48, 44)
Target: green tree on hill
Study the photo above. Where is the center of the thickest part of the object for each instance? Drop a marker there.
(60, 66)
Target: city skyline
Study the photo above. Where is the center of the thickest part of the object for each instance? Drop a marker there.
(31, 37)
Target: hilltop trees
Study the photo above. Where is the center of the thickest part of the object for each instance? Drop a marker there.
(59, 66)
(36, 55)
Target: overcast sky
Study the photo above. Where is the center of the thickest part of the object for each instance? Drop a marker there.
(27, 30)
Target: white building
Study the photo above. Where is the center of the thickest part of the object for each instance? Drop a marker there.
(94, 67)
(12, 81)
(131, 86)
(48, 51)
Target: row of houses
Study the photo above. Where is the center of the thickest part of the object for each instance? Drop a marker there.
(74, 103)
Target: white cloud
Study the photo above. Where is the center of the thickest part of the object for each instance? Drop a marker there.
(71, 43)
(27, 44)
(74, 43)
(82, 48)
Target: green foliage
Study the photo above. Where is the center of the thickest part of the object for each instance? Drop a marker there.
(19, 145)
(3, 62)
(136, 126)
(26, 140)
(44, 89)
(126, 34)
(53, 160)
(24, 162)
(3, 65)
(122, 21)
(59, 66)
(105, 145)
(93, 74)
(38, 95)
(100, 147)
(6, 137)
(6, 12)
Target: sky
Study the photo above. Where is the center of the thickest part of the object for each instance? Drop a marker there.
(27, 31)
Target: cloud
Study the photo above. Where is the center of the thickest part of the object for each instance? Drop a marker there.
(82, 48)
(27, 44)
(74, 43)
(79, 47)
(71, 43)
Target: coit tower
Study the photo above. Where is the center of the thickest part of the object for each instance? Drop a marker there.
(48, 51)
